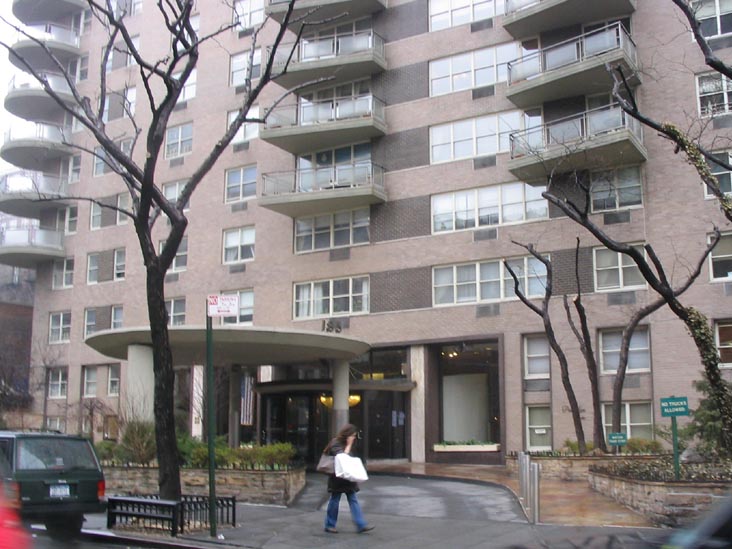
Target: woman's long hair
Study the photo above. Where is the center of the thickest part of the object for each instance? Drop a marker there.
(342, 437)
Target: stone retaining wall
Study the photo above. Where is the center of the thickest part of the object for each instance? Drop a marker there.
(263, 487)
(665, 503)
(568, 467)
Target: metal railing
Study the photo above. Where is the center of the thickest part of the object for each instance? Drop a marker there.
(320, 179)
(308, 113)
(30, 181)
(529, 480)
(36, 130)
(610, 38)
(31, 236)
(23, 81)
(573, 129)
(308, 50)
(51, 31)
(516, 5)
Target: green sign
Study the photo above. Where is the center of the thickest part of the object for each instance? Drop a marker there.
(674, 406)
(617, 439)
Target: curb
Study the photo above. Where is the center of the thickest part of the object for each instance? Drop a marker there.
(180, 542)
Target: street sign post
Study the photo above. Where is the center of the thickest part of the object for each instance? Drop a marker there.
(617, 439)
(216, 306)
(673, 407)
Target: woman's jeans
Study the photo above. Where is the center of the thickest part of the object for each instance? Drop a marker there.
(331, 515)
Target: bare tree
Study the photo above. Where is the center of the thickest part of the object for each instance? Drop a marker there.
(162, 80)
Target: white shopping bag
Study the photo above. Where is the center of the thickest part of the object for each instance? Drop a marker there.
(350, 468)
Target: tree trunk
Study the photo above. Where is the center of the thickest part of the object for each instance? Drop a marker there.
(163, 404)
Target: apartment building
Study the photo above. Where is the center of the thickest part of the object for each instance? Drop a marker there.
(382, 205)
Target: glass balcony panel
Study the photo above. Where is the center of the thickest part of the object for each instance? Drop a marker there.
(27, 181)
(354, 44)
(602, 41)
(561, 56)
(53, 32)
(604, 120)
(317, 49)
(516, 5)
(31, 236)
(565, 131)
(35, 130)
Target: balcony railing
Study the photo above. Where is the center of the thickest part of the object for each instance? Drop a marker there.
(42, 131)
(572, 130)
(25, 81)
(51, 31)
(330, 48)
(321, 179)
(33, 182)
(30, 236)
(575, 50)
(308, 113)
(516, 5)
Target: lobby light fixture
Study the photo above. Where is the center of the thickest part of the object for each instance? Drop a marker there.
(327, 401)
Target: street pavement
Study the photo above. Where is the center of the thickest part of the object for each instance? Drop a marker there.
(407, 512)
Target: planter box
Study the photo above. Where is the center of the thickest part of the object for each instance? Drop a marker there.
(467, 447)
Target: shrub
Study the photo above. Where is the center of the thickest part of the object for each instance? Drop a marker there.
(138, 443)
(105, 449)
(643, 446)
(662, 470)
(573, 446)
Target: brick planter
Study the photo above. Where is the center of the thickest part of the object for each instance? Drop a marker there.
(263, 487)
(664, 503)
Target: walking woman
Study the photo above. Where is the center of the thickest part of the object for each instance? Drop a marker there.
(343, 442)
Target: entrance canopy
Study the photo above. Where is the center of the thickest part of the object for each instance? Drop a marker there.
(244, 345)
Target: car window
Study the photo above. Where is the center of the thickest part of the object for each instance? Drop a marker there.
(54, 453)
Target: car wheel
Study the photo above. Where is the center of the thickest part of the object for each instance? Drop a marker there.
(67, 528)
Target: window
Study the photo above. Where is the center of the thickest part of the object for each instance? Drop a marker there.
(723, 336)
(172, 192)
(616, 189)
(113, 380)
(180, 261)
(100, 159)
(721, 173)
(714, 91)
(92, 268)
(616, 271)
(123, 205)
(120, 257)
(79, 68)
(451, 13)
(90, 381)
(322, 232)
(539, 428)
(241, 183)
(714, 16)
(195, 21)
(238, 245)
(111, 427)
(487, 281)
(248, 130)
(474, 69)
(63, 273)
(721, 258)
(536, 357)
(128, 7)
(176, 309)
(57, 382)
(246, 308)
(639, 351)
(90, 322)
(488, 206)
(117, 317)
(636, 419)
(71, 169)
(60, 327)
(248, 13)
(81, 21)
(179, 140)
(67, 219)
(239, 70)
(478, 136)
(337, 297)
(129, 102)
(188, 91)
(55, 423)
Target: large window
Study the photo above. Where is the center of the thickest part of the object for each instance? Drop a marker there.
(179, 140)
(95, 216)
(336, 230)
(451, 13)
(113, 380)
(714, 94)
(172, 192)
(59, 327)
(90, 381)
(486, 135)
(723, 175)
(538, 428)
(536, 357)
(248, 130)
(188, 91)
(338, 297)
(721, 259)
(238, 245)
(639, 351)
(67, 219)
(92, 268)
(239, 70)
(57, 382)
(246, 308)
(241, 183)
(616, 271)
(636, 419)
(90, 322)
(496, 205)
(176, 309)
(487, 281)
(248, 13)
(63, 273)
(714, 16)
(117, 317)
(616, 189)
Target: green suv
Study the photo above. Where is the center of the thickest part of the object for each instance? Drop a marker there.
(53, 478)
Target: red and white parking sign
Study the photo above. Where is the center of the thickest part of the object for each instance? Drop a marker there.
(223, 305)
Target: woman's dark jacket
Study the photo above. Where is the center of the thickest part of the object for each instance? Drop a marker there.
(339, 485)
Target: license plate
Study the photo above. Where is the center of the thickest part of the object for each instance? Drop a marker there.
(59, 491)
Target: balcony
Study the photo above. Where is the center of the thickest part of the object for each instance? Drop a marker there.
(354, 56)
(314, 125)
(599, 138)
(326, 9)
(27, 99)
(27, 194)
(29, 145)
(574, 67)
(62, 42)
(525, 18)
(313, 191)
(28, 246)
(32, 11)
